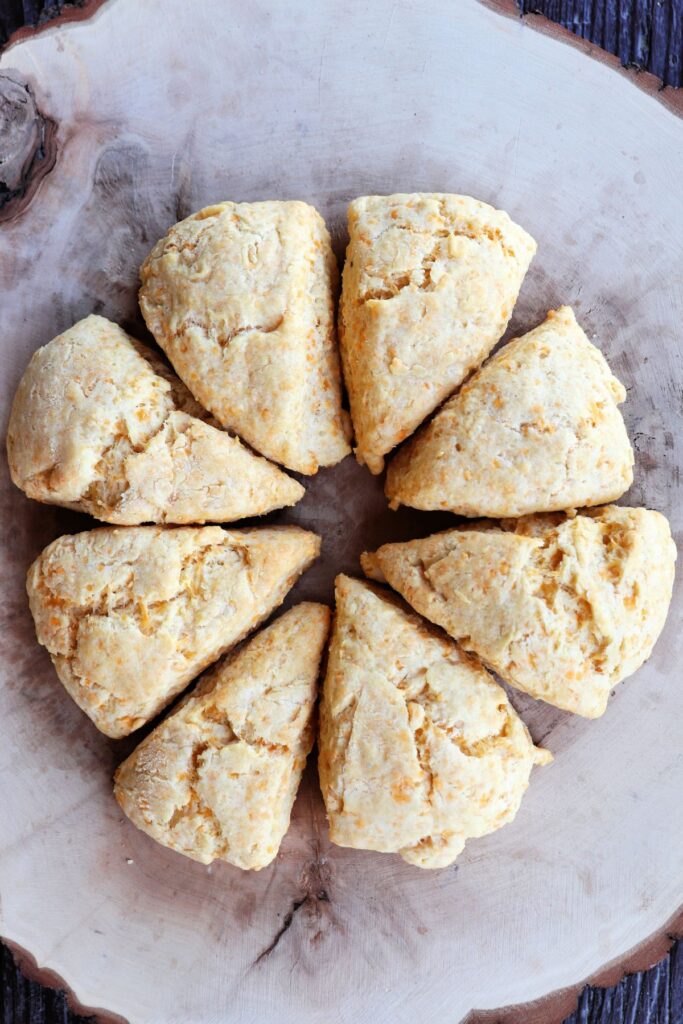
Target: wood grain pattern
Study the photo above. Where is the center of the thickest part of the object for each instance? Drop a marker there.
(644, 34)
(98, 211)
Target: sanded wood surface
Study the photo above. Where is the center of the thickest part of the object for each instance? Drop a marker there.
(125, 180)
(644, 34)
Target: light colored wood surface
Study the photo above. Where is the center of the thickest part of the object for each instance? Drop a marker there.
(157, 110)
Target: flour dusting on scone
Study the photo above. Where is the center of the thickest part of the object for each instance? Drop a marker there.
(99, 424)
(218, 777)
(429, 285)
(536, 429)
(130, 615)
(241, 298)
(561, 606)
(420, 749)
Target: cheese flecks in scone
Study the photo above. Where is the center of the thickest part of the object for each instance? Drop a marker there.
(429, 285)
(217, 779)
(419, 747)
(131, 615)
(99, 424)
(562, 607)
(537, 429)
(241, 298)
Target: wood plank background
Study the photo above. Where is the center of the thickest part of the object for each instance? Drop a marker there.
(645, 34)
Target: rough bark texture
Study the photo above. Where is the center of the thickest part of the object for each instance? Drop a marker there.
(645, 34)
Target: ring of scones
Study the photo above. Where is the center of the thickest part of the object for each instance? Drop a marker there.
(419, 748)
(429, 285)
(99, 425)
(240, 296)
(217, 779)
(536, 429)
(130, 615)
(561, 606)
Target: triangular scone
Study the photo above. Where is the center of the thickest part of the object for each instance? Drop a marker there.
(563, 607)
(131, 614)
(241, 298)
(429, 285)
(100, 425)
(217, 779)
(419, 747)
(537, 429)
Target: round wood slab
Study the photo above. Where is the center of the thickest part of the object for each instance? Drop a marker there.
(133, 119)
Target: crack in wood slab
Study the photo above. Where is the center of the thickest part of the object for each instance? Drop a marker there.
(314, 894)
(284, 927)
(311, 901)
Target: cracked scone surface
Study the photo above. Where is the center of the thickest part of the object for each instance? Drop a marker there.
(217, 779)
(429, 285)
(536, 429)
(419, 747)
(130, 615)
(99, 424)
(241, 298)
(562, 607)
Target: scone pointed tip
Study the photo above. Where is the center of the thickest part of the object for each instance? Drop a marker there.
(286, 549)
(371, 567)
(542, 756)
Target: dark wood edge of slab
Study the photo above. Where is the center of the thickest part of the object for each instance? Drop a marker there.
(65, 17)
(48, 978)
(553, 1008)
(671, 97)
(557, 1006)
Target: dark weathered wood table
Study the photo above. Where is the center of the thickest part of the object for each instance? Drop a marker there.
(647, 35)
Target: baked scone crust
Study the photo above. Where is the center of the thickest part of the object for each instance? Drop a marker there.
(218, 777)
(99, 424)
(419, 747)
(241, 298)
(562, 607)
(130, 615)
(429, 285)
(536, 429)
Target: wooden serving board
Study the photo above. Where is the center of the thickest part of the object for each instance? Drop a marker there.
(135, 118)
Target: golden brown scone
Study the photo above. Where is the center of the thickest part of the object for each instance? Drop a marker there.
(131, 614)
(419, 747)
(241, 298)
(99, 424)
(429, 285)
(563, 607)
(537, 429)
(217, 779)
